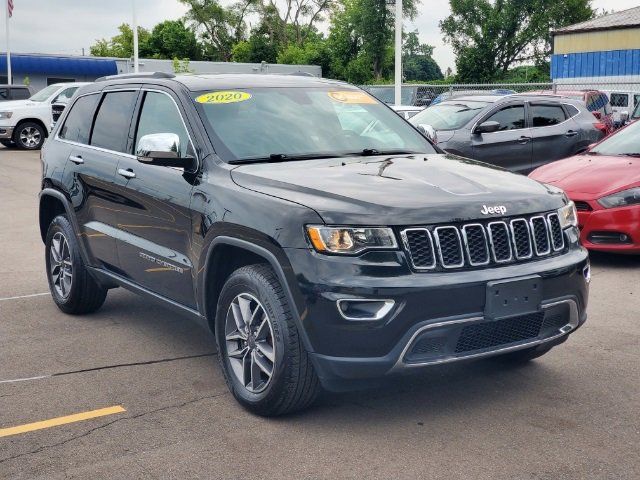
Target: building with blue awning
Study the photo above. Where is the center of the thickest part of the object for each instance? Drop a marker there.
(41, 70)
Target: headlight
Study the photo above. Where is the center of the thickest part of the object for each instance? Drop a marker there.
(6, 115)
(621, 199)
(350, 240)
(568, 216)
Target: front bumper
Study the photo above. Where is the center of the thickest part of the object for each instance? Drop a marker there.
(345, 351)
(6, 133)
(598, 222)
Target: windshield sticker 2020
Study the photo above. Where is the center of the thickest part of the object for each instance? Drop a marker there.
(226, 96)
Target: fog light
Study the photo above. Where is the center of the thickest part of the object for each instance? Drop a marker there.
(364, 309)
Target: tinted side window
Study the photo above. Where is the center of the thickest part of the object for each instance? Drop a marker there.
(509, 118)
(4, 94)
(20, 94)
(573, 111)
(111, 127)
(619, 100)
(160, 115)
(77, 126)
(547, 115)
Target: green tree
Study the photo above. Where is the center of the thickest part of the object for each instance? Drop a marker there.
(120, 46)
(171, 39)
(490, 36)
(418, 63)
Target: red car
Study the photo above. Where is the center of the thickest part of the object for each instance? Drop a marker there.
(604, 183)
(597, 102)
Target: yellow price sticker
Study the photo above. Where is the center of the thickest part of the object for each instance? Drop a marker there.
(352, 96)
(226, 96)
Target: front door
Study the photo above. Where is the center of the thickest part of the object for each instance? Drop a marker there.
(154, 245)
(510, 147)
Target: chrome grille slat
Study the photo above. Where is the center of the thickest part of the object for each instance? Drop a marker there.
(500, 242)
(449, 246)
(479, 244)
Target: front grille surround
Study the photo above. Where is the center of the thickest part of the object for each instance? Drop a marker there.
(483, 243)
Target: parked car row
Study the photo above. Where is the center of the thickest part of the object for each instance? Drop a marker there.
(26, 123)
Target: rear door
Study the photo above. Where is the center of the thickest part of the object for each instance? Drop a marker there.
(97, 132)
(154, 244)
(511, 146)
(554, 134)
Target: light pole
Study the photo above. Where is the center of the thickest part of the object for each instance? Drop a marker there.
(398, 55)
(136, 62)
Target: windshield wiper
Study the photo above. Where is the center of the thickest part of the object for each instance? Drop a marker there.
(284, 157)
(368, 152)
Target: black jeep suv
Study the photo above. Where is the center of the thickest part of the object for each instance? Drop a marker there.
(320, 236)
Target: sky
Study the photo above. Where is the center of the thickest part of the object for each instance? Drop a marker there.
(68, 26)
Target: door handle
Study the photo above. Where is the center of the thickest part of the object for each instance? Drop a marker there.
(571, 133)
(76, 159)
(524, 140)
(126, 173)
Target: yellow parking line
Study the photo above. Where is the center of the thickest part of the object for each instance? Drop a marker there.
(54, 422)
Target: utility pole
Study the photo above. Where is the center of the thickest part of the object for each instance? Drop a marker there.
(136, 62)
(398, 55)
(8, 13)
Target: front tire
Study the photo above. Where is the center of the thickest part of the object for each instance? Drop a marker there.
(29, 136)
(263, 360)
(72, 288)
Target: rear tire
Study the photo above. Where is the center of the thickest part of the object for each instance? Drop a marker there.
(29, 136)
(265, 366)
(72, 288)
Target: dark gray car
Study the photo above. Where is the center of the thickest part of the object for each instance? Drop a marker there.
(518, 133)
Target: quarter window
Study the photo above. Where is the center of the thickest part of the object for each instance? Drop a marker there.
(111, 128)
(77, 126)
(547, 115)
(509, 118)
(160, 115)
(619, 100)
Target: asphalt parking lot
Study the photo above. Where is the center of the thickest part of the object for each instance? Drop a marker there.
(573, 414)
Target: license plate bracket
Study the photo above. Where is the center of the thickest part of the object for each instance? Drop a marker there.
(507, 298)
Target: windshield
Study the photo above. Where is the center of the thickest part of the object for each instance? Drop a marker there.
(260, 123)
(387, 94)
(44, 94)
(450, 115)
(625, 142)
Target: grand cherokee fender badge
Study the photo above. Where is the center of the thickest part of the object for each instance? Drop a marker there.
(501, 209)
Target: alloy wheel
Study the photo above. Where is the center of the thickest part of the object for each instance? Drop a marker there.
(250, 343)
(60, 266)
(30, 137)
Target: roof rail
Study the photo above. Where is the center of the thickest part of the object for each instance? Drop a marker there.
(136, 75)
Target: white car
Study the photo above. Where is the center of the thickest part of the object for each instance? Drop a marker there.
(406, 111)
(25, 123)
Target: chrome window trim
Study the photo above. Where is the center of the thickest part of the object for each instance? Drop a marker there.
(533, 235)
(439, 248)
(115, 152)
(552, 243)
(571, 325)
(513, 239)
(493, 249)
(466, 244)
(405, 241)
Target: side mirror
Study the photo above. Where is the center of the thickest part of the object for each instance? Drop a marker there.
(488, 127)
(428, 131)
(624, 117)
(162, 149)
(56, 111)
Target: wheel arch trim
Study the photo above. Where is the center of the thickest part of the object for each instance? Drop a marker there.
(273, 262)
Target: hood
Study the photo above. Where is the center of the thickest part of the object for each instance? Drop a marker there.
(591, 176)
(12, 104)
(398, 190)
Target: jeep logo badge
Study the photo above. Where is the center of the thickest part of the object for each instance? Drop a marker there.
(501, 209)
